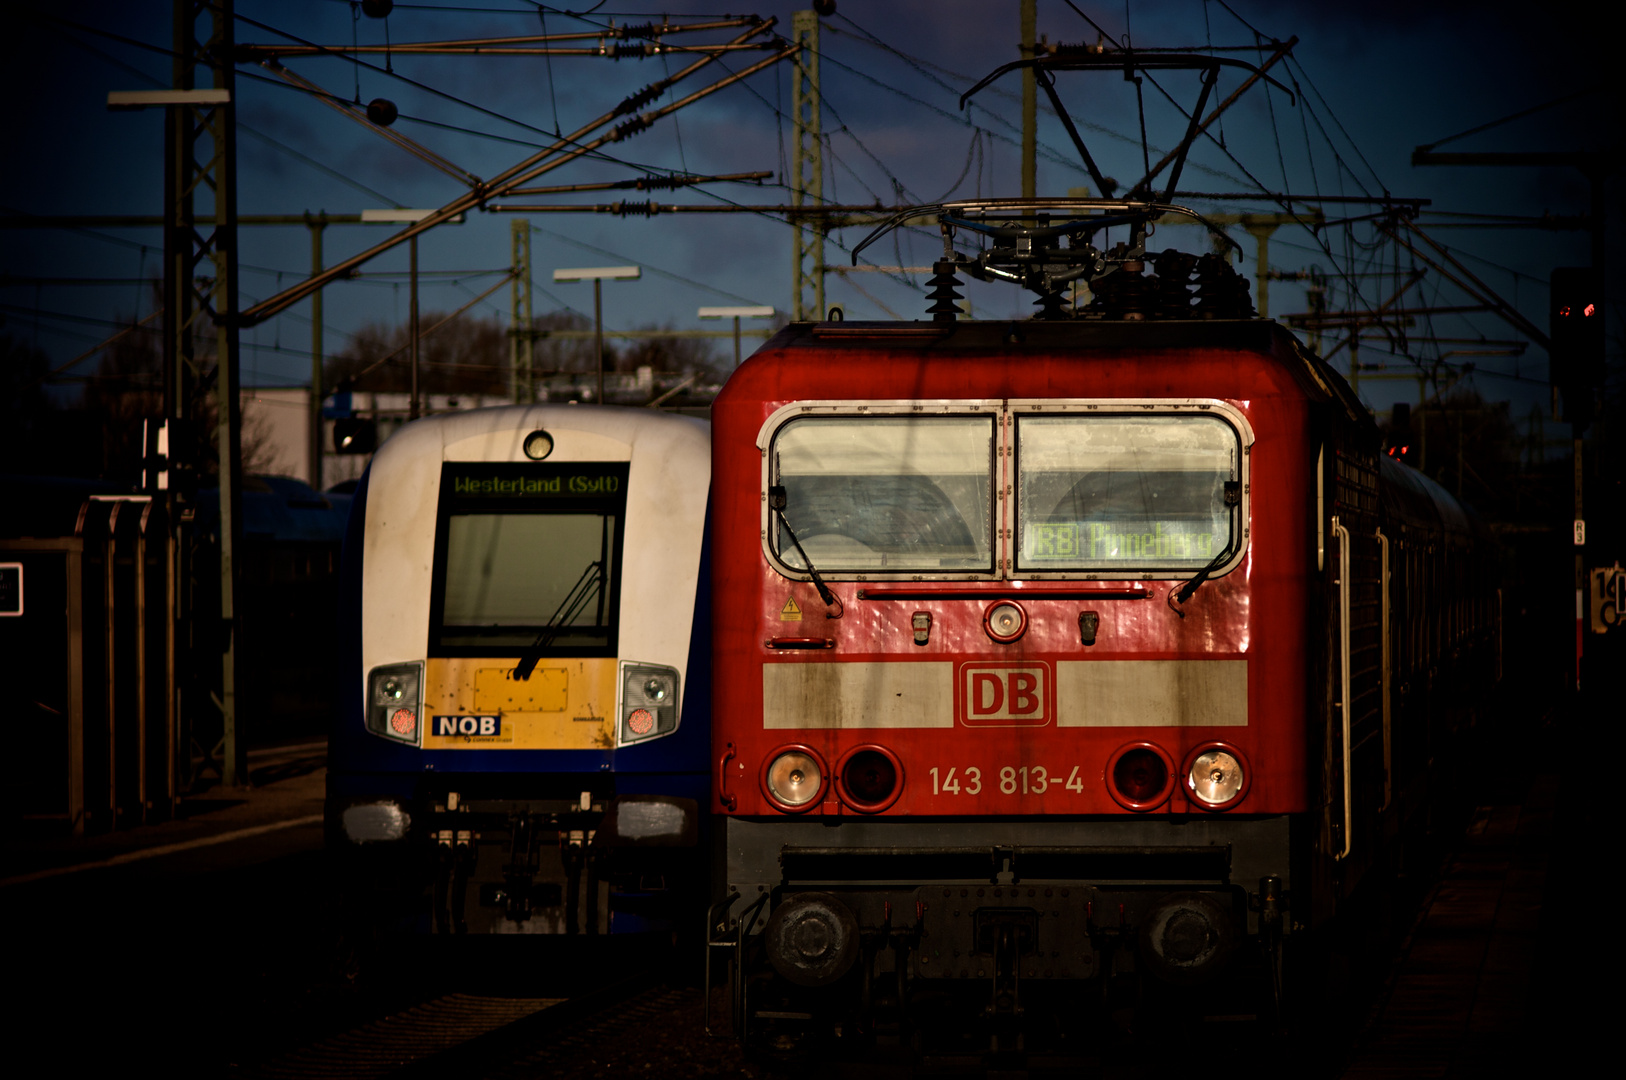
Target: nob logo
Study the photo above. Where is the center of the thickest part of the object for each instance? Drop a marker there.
(1004, 695)
(468, 725)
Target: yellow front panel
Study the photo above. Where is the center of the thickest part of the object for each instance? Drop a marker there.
(496, 690)
(564, 705)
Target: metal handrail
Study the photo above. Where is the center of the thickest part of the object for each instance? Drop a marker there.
(1385, 668)
(1345, 706)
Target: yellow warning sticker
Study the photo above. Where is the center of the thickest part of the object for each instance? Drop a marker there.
(790, 612)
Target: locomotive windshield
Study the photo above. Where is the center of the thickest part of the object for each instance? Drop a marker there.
(524, 553)
(1140, 493)
(886, 494)
(1021, 489)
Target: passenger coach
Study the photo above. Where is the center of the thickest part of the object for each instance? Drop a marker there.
(526, 722)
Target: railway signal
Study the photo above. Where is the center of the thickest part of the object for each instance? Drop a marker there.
(1400, 433)
(1575, 326)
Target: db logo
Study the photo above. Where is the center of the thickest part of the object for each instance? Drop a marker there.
(1004, 695)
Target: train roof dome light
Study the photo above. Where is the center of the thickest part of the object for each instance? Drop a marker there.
(538, 445)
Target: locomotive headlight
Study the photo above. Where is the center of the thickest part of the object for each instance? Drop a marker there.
(395, 701)
(396, 689)
(1005, 621)
(649, 702)
(1216, 777)
(794, 778)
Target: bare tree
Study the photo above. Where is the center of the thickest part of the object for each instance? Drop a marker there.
(467, 355)
(674, 354)
(553, 354)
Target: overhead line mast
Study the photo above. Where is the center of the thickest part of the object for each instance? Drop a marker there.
(522, 342)
(806, 170)
(186, 246)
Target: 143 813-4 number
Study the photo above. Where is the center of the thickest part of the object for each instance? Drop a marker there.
(1013, 779)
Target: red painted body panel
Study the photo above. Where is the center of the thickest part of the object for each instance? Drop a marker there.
(1258, 612)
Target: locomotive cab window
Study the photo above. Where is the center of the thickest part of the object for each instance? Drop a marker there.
(1138, 493)
(527, 555)
(891, 494)
(1014, 489)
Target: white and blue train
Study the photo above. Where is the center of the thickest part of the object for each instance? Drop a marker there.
(522, 740)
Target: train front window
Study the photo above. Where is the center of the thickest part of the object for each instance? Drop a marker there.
(886, 493)
(1136, 493)
(521, 558)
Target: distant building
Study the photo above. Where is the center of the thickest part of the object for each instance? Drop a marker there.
(276, 420)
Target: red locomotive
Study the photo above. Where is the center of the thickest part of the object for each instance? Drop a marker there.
(1053, 653)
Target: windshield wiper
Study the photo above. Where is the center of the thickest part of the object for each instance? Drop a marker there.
(585, 588)
(777, 500)
(1233, 499)
(1184, 592)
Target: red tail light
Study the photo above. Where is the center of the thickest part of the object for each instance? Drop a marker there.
(1140, 776)
(869, 778)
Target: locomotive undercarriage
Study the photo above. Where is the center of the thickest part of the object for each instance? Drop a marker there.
(1019, 939)
(552, 863)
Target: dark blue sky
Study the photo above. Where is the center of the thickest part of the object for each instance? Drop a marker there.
(1375, 80)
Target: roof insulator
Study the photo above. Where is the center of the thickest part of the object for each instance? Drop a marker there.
(631, 127)
(658, 183)
(943, 295)
(639, 100)
(1051, 305)
(1173, 294)
(1222, 293)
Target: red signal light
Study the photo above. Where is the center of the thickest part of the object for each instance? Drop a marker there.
(1587, 311)
(869, 779)
(1140, 776)
(869, 776)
